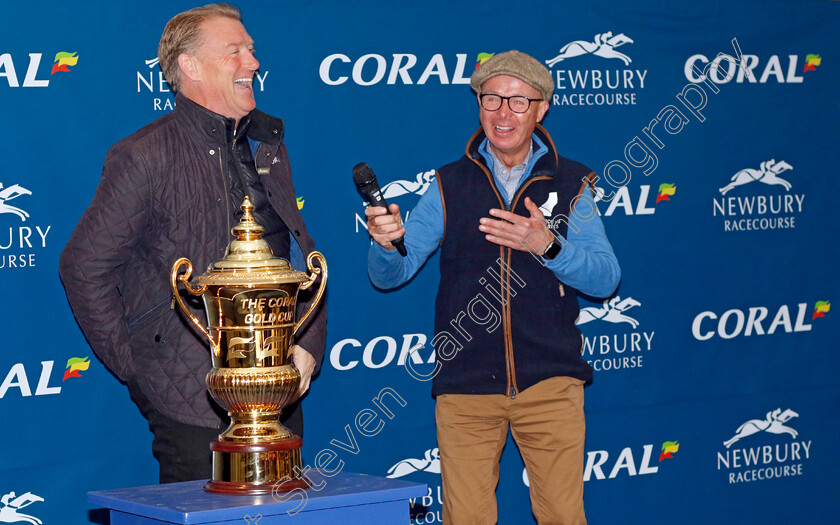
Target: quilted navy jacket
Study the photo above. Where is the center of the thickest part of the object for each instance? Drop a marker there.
(163, 195)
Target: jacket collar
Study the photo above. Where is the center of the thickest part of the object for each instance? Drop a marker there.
(551, 157)
(259, 126)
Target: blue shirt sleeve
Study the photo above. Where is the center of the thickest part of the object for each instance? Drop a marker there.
(423, 232)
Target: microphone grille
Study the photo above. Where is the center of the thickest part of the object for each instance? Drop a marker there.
(362, 174)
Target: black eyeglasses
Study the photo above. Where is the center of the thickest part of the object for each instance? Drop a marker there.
(517, 104)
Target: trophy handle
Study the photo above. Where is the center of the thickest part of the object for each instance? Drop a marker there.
(184, 278)
(314, 272)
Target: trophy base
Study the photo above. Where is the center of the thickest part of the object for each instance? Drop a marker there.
(270, 467)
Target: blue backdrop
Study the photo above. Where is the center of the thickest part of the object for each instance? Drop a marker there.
(715, 396)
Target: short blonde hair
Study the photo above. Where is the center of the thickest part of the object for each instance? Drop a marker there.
(182, 34)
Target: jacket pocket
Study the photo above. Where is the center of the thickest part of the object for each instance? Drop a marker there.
(157, 306)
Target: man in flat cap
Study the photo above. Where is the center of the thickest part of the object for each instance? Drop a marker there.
(174, 189)
(519, 236)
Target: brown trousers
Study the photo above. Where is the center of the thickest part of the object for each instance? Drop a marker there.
(548, 425)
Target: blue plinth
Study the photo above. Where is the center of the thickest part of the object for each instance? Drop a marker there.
(343, 498)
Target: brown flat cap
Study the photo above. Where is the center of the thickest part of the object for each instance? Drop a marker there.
(520, 65)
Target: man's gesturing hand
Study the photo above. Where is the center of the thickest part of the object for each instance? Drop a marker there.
(526, 234)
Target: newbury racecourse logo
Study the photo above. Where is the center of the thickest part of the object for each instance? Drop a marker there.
(150, 79)
(7, 194)
(429, 463)
(11, 503)
(774, 423)
(603, 46)
(596, 87)
(767, 458)
(16, 247)
(770, 211)
(418, 186)
(401, 188)
(767, 173)
(612, 312)
(621, 347)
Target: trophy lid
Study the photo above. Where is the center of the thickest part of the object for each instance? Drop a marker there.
(249, 259)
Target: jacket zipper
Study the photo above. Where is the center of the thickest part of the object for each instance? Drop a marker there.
(504, 275)
(227, 197)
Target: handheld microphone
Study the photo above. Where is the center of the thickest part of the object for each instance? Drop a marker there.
(368, 187)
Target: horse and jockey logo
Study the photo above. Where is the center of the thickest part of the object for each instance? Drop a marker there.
(430, 463)
(603, 46)
(774, 423)
(612, 311)
(11, 503)
(768, 173)
(418, 186)
(547, 208)
(7, 194)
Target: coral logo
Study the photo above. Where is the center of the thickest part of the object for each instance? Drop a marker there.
(811, 62)
(637, 203)
(669, 448)
(429, 463)
(600, 464)
(482, 58)
(11, 503)
(725, 69)
(380, 352)
(820, 309)
(75, 366)
(735, 322)
(666, 191)
(371, 69)
(300, 202)
(63, 61)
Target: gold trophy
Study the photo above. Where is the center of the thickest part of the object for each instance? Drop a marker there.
(250, 298)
